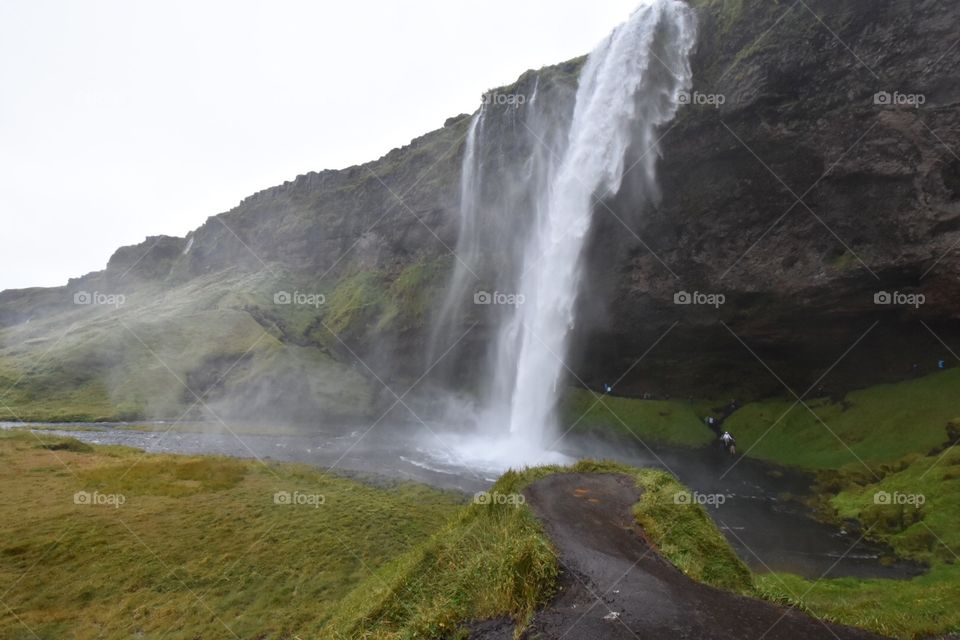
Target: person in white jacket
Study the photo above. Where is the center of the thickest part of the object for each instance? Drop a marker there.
(728, 442)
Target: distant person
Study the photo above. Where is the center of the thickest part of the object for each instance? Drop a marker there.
(942, 364)
(728, 442)
(607, 389)
(713, 423)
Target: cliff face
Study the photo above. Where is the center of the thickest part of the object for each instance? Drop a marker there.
(799, 198)
(788, 187)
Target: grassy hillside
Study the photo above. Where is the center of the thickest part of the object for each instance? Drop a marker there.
(665, 421)
(896, 435)
(222, 337)
(251, 345)
(686, 535)
(186, 547)
(197, 547)
(921, 524)
(879, 424)
(199, 542)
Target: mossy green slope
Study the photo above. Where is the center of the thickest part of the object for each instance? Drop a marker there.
(875, 425)
(662, 421)
(199, 547)
(218, 344)
(914, 507)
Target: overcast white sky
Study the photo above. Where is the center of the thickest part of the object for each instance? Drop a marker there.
(123, 119)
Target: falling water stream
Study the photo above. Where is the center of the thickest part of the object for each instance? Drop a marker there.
(524, 223)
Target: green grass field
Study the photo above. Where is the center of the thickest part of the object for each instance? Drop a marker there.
(924, 606)
(664, 421)
(875, 445)
(876, 425)
(190, 547)
(198, 546)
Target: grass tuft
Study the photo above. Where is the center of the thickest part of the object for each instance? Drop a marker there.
(495, 560)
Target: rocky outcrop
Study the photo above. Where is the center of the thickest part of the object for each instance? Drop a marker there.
(826, 175)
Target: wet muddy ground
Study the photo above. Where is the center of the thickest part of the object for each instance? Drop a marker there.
(615, 585)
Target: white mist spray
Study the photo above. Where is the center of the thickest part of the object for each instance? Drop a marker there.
(628, 89)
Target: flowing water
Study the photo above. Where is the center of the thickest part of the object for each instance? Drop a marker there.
(524, 221)
(769, 531)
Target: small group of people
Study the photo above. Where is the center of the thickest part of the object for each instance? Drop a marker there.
(726, 440)
(728, 443)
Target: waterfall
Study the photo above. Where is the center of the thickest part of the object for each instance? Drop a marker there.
(468, 245)
(526, 218)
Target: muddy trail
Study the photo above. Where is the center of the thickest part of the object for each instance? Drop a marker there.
(615, 585)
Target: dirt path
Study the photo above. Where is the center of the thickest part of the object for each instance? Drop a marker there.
(641, 595)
